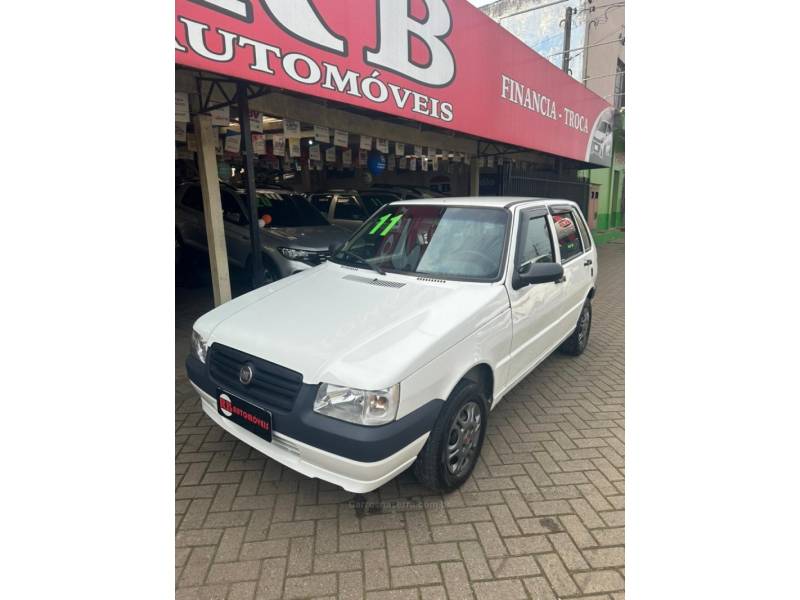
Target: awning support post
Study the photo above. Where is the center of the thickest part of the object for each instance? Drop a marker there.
(212, 209)
(257, 276)
(475, 176)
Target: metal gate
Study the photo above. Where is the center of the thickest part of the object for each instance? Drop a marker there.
(519, 183)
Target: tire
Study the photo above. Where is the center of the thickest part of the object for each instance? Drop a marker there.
(432, 467)
(576, 343)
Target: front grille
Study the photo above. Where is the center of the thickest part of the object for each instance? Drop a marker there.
(272, 385)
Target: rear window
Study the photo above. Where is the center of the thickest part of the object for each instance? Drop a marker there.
(569, 241)
(587, 240)
(348, 209)
(322, 202)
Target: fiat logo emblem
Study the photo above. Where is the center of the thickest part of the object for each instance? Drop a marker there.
(246, 374)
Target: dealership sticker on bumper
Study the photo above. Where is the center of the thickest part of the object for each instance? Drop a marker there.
(245, 414)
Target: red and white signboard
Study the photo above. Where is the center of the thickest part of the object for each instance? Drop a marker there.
(440, 62)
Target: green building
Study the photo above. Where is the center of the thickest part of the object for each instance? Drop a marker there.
(607, 187)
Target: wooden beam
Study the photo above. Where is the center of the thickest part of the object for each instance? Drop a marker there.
(474, 178)
(212, 209)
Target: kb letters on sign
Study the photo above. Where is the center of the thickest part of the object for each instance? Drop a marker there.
(395, 28)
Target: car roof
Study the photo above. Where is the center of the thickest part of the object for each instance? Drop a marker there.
(486, 201)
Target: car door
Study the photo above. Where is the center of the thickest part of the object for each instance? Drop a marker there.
(535, 309)
(190, 220)
(577, 263)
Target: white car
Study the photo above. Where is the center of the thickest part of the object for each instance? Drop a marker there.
(394, 352)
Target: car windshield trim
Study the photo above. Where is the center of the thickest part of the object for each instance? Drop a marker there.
(503, 263)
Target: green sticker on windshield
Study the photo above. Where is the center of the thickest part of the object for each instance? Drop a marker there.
(394, 221)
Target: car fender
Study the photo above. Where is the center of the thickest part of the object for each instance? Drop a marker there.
(489, 345)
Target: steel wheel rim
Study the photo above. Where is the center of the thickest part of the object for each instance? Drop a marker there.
(463, 438)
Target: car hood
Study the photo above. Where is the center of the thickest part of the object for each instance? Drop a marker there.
(334, 324)
(305, 238)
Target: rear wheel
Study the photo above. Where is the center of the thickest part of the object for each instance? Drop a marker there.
(453, 447)
(576, 343)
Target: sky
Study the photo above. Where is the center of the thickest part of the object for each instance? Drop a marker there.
(541, 30)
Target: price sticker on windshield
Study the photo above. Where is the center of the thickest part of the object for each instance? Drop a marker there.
(392, 223)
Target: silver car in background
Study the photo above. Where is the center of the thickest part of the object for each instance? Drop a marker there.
(350, 208)
(294, 235)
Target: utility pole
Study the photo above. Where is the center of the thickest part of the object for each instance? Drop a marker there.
(567, 38)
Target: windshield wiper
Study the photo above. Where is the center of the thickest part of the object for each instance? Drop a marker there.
(363, 261)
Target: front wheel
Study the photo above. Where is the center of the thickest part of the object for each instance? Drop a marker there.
(576, 343)
(453, 447)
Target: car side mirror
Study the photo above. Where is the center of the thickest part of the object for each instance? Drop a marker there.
(533, 273)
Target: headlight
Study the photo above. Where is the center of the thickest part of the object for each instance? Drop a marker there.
(199, 347)
(293, 254)
(358, 406)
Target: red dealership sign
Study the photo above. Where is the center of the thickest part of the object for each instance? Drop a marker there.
(440, 62)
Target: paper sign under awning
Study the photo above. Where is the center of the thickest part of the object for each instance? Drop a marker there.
(182, 107)
(233, 142)
(341, 138)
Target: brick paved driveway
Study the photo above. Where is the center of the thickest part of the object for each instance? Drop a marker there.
(542, 515)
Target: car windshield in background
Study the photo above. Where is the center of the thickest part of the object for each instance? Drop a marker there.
(288, 210)
(437, 241)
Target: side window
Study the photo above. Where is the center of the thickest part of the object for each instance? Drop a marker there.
(535, 244)
(193, 198)
(347, 208)
(568, 239)
(322, 202)
(587, 241)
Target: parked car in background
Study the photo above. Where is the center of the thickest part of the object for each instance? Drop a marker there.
(408, 192)
(294, 236)
(350, 208)
(394, 352)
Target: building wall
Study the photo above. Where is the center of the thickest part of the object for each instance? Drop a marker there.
(604, 25)
(595, 66)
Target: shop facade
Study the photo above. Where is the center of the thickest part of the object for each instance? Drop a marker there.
(356, 94)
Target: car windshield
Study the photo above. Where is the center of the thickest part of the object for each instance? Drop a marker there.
(288, 210)
(437, 241)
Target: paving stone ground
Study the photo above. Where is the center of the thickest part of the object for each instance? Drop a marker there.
(542, 516)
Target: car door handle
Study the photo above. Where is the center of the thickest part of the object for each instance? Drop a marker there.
(587, 263)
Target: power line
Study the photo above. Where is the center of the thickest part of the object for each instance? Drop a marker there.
(534, 8)
(584, 48)
(605, 76)
(592, 7)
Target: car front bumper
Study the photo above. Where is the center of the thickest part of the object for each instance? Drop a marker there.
(354, 476)
(355, 457)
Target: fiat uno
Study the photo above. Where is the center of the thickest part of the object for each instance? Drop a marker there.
(394, 352)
